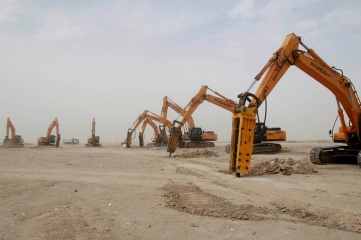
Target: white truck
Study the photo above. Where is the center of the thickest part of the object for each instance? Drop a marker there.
(71, 141)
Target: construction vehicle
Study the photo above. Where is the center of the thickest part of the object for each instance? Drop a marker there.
(264, 139)
(11, 139)
(50, 140)
(93, 141)
(161, 135)
(197, 137)
(157, 138)
(167, 102)
(347, 100)
(71, 141)
(146, 115)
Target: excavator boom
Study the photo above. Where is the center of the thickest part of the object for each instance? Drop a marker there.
(151, 116)
(181, 111)
(156, 138)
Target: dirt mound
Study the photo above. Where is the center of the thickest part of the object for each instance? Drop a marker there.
(191, 199)
(198, 153)
(286, 167)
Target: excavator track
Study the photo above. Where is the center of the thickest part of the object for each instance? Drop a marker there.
(359, 159)
(315, 155)
(266, 148)
(198, 144)
(261, 148)
(335, 154)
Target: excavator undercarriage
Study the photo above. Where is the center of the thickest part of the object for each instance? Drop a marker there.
(335, 154)
(261, 148)
(190, 144)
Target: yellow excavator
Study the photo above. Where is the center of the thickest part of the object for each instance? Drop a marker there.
(93, 141)
(50, 140)
(11, 139)
(306, 59)
(197, 138)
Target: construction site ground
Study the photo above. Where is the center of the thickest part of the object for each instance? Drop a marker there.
(113, 192)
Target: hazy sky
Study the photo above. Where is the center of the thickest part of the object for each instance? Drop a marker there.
(111, 60)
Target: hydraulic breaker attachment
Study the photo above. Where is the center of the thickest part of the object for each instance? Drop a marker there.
(164, 135)
(173, 140)
(141, 139)
(129, 139)
(243, 124)
(57, 140)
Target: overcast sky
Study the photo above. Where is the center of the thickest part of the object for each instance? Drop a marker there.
(111, 60)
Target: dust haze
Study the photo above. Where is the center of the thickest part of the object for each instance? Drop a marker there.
(112, 60)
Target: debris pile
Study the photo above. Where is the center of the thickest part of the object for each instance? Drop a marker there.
(286, 167)
(198, 153)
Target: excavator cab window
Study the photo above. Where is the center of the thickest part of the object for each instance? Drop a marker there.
(195, 134)
(260, 132)
(52, 138)
(18, 139)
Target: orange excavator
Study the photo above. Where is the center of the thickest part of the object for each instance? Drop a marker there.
(306, 59)
(161, 135)
(156, 138)
(167, 102)
(51, 139)
(262, 132)
(93, 141)
(11, 139)
(146, 115)
(196, 137)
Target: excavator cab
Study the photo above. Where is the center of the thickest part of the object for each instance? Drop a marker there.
(260, 132)
(195, 134)
(52, 139)
(19, 141)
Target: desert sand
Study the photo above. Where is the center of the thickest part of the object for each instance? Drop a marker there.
(113, 192)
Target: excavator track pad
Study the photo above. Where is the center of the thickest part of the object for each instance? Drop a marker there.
(261, 148)
(266, 148)
(197, 144)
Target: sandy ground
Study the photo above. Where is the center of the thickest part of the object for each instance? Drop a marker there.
(114, 192)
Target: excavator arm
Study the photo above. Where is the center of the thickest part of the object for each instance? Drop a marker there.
(191, 107)
(308, 61)
(10, 128)
(145, 115)
(164, 115)
(155, 129)
(93, 128)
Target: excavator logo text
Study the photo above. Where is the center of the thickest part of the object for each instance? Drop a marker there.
(320, 69)
(223, 103)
